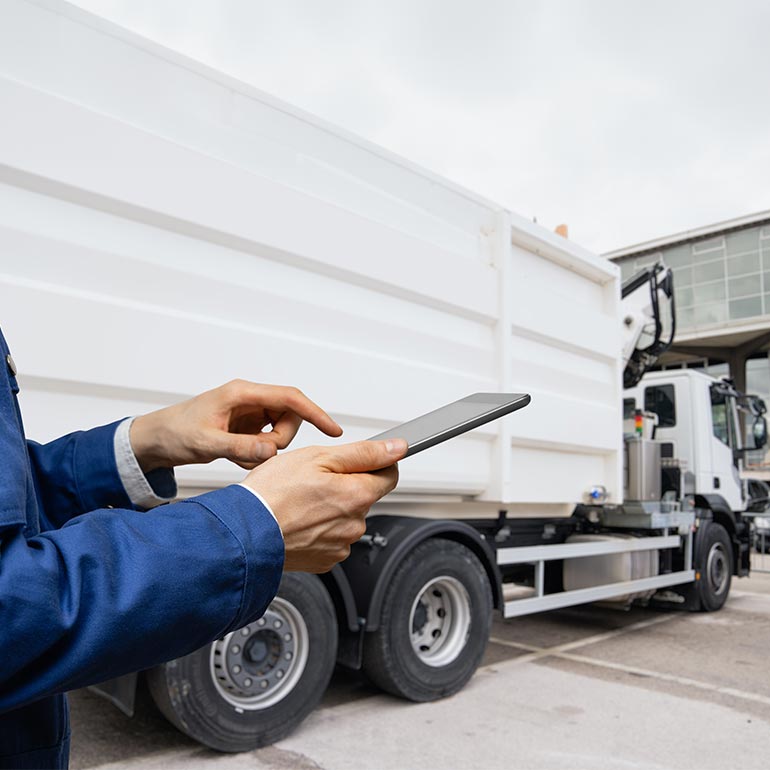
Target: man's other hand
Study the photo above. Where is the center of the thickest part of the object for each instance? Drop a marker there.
(226, 422)
(320, 496)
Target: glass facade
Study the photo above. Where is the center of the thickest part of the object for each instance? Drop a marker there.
(716, 280)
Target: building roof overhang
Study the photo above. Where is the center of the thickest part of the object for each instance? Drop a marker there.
(699, 233)
(718, 340)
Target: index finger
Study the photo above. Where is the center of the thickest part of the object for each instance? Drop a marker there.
(280, 398)
(284, 429)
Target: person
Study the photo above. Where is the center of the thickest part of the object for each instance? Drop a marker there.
(94, 585)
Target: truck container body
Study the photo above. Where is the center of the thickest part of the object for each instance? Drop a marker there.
(177, 228)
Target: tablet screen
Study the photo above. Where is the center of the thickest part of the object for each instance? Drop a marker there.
(455, 418)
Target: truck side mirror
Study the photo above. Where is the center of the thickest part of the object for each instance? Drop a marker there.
(760, 432)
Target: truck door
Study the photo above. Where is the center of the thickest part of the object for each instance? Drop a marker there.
(724, 440)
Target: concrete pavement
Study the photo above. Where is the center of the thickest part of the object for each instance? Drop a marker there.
(586, 687)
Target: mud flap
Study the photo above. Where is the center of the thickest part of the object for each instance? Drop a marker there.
(121, 692)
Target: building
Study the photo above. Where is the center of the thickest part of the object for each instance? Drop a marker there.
(722, 296)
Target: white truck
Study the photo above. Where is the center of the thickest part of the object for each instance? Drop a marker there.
(183, 229)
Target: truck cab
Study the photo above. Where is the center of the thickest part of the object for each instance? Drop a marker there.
(702, 425)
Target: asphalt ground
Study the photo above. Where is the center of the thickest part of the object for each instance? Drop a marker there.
(587, 687)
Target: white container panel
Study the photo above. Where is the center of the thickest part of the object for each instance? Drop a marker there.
(116, 167)
(565, 350)
(56, 48)
(535, 481)
(573, 315)
(159, 239)
(544, 367)
(118, 242)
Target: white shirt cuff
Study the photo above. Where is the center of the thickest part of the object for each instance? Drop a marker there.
(135, 482)
(264, 502)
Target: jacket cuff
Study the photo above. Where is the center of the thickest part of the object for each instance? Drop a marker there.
(96, 473)
(145, 490)
(256, 530)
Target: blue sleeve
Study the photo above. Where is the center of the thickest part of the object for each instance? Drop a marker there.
(79, 473)
(120, 590)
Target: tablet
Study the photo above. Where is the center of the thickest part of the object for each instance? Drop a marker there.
(453, 419)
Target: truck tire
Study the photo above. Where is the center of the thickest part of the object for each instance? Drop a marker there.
(715, 567)
(435, 622)
(256, 684)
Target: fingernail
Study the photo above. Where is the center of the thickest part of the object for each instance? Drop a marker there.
(263, 451)
(396, 446)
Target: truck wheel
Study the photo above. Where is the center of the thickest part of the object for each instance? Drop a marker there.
(255, 685)
(435, 623)
(716, 567)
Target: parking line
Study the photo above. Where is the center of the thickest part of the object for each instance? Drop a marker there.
(539, 652)
(563, 651)
(683, 680)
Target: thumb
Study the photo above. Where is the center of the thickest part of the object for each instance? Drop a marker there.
(243, 448)
(365, 456)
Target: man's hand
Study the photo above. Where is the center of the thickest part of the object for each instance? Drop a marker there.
(226, 422)
(320, 496)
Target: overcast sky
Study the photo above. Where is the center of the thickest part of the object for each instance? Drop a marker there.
(627, 120)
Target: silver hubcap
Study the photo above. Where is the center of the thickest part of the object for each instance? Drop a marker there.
(440, 621)
(717, 568)
(258, 665)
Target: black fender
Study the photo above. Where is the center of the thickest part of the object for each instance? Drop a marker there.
(720, 510)
(337, 584)
(374, 559)
(735, 525)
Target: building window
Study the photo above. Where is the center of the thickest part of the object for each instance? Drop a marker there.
(743, 241)
(704, 272)
(660, 400)
(746, 308)
(678, 256)
(744, 264)
(712, 244)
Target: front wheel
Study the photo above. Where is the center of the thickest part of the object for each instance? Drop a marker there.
(715, 567)
(253, 686)
(435, 623)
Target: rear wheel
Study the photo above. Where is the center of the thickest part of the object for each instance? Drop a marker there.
(253, 686)
(715, 566)
(435, 623)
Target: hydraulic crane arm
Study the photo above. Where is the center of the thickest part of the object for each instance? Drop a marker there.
(649, 320)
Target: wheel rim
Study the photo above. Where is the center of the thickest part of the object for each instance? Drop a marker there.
(718, 569)
(258, 665)
(440, 621)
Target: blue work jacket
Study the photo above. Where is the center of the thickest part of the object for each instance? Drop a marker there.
(91, 588)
